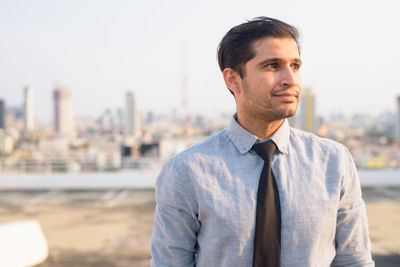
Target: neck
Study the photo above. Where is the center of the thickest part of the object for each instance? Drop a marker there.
(260, 127)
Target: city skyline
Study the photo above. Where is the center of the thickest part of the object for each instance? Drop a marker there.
(308, 96)
(350, 54)
(117, 140)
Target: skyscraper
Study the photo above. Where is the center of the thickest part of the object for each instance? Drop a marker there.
(398, 119)
(64, 124)
(306, 114)
(29, 122)
(2, 114)
(132, 125)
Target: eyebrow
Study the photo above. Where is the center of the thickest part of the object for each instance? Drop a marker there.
(271, 60)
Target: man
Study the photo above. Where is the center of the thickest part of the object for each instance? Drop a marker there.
(210, 197)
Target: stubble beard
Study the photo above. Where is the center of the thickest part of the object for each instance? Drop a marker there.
(273, 112)
(268, 112)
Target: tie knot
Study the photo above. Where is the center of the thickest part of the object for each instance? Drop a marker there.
(265, 150)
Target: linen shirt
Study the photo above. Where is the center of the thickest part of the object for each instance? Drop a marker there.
(206, 202)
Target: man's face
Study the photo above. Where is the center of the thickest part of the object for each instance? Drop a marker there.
(271, 87)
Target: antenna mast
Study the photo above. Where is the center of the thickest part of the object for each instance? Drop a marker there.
(185, 93)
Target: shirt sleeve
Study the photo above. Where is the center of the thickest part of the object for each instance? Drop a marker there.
(175, 221)
(352, 239)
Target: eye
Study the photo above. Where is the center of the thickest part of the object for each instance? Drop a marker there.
(273, 66)
(296, 66)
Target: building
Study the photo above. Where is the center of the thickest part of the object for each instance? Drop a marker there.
(29, 122)
(2, 114)
(306, 114)
(132, 123)
(64, 123)
(106, 120)
(398, 120)
(15, 118)
(6, 144)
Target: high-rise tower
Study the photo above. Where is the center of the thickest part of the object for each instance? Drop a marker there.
(64, 123)
(2, 114)
(307, 111)
(398, 119)
(29, 122)
(132, 124)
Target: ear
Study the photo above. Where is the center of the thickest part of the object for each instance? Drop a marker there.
(232, 80)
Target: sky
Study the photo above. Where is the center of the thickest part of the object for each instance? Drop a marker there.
(101, 49)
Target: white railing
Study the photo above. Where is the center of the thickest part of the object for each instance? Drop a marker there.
(75, 165)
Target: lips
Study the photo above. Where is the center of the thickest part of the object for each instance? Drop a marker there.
(286, 96)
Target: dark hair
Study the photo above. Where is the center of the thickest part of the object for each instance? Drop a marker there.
(236, 47)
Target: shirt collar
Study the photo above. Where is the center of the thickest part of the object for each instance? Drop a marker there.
(244, 140)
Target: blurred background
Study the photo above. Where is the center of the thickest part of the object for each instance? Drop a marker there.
(96, 95)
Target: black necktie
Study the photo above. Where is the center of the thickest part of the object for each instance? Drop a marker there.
(267, 241)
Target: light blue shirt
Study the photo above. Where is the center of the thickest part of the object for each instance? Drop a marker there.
(206, 202)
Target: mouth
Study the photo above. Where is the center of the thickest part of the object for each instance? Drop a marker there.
(287, 96)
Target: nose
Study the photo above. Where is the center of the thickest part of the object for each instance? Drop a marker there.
(289, 77)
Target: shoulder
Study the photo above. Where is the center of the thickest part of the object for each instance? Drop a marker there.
(183, 169)
(210, 147)
(309, 141)
(323, 153)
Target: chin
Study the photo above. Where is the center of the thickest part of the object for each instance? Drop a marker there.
(278, 112)
(288, 113)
